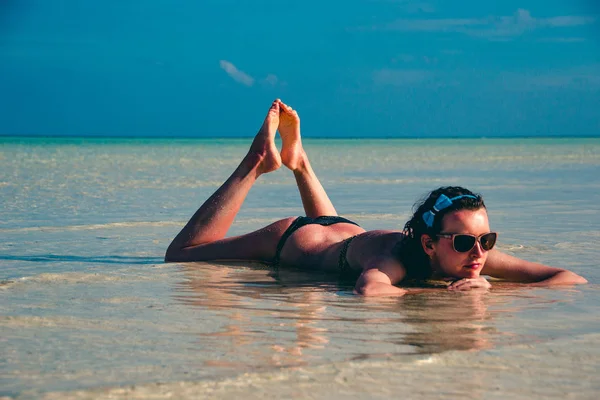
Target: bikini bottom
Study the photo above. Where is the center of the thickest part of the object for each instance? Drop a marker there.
(324, 221)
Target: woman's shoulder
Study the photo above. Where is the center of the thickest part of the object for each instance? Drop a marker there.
(396, 250)
(377, 243)
(383, 235)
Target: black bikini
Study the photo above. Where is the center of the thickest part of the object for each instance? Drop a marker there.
(342, 260)
(324, 221)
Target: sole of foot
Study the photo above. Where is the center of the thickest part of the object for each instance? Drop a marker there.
(292, 152)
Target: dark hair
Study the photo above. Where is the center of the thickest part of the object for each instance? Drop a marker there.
(409, 250)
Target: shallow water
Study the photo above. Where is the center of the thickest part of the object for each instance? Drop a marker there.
(87, 303)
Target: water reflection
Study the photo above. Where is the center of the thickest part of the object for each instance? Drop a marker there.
(256, 317)
(257, 314)
(449, 321)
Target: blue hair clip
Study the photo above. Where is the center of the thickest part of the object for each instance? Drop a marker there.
(441, 203)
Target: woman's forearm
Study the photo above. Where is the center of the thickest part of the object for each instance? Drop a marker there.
(379, 289)
(562, 277)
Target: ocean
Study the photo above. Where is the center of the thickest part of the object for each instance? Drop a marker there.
(89, 309)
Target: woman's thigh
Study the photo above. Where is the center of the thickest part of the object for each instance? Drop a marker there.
(259, 245)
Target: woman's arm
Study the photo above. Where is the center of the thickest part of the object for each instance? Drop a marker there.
(504, 266)
(379, 277)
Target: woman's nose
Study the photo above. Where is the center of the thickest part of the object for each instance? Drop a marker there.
(477, 251)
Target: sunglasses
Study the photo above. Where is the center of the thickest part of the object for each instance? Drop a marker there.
(462, 242)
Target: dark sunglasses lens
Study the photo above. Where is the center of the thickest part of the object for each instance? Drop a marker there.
(488, 241)
(463, 243)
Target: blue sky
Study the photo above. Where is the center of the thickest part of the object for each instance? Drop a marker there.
(353, 68)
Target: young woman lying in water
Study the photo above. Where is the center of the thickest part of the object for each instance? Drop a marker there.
(448, 236)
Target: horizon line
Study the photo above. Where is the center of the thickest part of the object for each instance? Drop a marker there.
(43, 136)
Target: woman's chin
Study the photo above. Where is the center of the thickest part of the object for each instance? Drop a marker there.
(470, 273)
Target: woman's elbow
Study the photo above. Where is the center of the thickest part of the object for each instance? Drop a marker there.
(361, 290)
(366, 289)
(567, 277)
(577, 279)
(563, 277)
(378, 289)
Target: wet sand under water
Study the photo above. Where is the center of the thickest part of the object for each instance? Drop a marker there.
(88, 309)
(561, 369)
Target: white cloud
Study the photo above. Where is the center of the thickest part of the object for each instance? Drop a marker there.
(562, 40)
(494, 27)
(236, 74)
(433, 25)
(584, 78)
(567, 21)
(271, 80)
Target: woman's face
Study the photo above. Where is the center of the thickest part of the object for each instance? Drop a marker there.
(450, 262)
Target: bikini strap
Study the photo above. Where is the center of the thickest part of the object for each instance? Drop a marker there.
(288, 232)
(343, 264)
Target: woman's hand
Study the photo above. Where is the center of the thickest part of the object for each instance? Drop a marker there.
(479, 283)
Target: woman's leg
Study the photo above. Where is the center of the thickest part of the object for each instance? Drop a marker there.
(203, 237)
(314, 198)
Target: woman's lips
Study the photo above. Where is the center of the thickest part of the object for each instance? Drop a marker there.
(473, 266)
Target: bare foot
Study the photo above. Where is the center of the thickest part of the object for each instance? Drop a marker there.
(263, 150)
(292, 152)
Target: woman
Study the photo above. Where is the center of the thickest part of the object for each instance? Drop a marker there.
(447, 237)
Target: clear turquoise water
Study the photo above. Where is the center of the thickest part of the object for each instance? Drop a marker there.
(87, 303)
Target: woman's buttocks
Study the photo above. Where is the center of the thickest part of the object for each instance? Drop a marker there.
(316, 246)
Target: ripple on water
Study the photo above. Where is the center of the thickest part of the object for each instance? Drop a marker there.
(556, 370)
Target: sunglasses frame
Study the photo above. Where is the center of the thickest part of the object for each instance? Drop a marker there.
(477, 239)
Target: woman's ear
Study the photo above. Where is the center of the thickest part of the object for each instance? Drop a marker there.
(427, 244)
